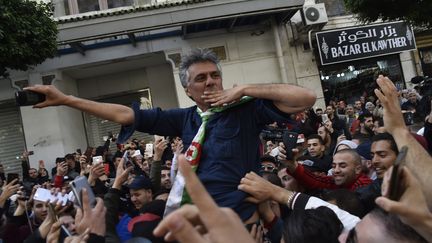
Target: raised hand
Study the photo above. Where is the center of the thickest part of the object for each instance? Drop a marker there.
(121, 175)
(9, 190)
(54, 97)
(223, 97)
(259, 189)
(91, 218)
(62, 168)
(411, 208)
(159, 147)
(388, 96)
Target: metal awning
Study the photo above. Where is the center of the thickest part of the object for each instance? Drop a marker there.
(192, 18)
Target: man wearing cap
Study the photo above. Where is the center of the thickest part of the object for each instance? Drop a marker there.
(141, 193)
(269, 164)
(230, 147)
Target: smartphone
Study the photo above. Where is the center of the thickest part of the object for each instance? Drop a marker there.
(290, 141)
(149, 150)
(43, 195)
(126, 160)
(30, 152)
(394, 186)
(27, 97)
(77, 186)
(11, 177)
(324, 118)
(79, 151)
(97, 160)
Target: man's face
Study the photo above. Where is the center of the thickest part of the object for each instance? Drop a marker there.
(288, 182)
(341, 104)
(368, 230)
(358, 105)
(382, 157)
(68, 222)
(412, 97)
(345, 169)
(168, 163)
(349, 110)
(368, 123)
(70, 163)
(377, 128)
(146, 166)
(319, 112)
(329, 110)
(33, 173)
(40, 210)
(165, 179)
(315, 148)
(140, 197)
(322, 132)
(203, 76)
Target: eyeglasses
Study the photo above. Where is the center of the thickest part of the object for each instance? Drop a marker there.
(270, 168)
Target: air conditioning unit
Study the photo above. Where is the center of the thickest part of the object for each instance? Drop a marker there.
(314, 14)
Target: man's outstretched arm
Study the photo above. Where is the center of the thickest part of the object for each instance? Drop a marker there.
(286, 97)
(113, 112)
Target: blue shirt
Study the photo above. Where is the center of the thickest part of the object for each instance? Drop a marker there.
(231, 146)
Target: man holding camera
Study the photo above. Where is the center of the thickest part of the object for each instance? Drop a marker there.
(230, 147)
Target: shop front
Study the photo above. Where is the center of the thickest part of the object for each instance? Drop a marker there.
(352, 58)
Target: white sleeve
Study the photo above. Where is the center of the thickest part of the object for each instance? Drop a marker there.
(348, 220)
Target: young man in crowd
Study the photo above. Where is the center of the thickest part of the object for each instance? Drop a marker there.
(346, 172)
(316, 154)
(166, 178)
(366, 126)
(231, 145)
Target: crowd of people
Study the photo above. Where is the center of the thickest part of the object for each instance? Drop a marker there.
(221, 172)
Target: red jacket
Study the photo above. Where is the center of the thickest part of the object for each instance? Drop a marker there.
(311, 181)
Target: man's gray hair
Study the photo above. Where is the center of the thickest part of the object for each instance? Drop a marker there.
(197, 55)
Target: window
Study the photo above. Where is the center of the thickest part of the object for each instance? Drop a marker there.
(70, 7)
(97, 129)
(119, 3)
(88, 5)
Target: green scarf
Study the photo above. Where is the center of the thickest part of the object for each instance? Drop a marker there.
(178, 194)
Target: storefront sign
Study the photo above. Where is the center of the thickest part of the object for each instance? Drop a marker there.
(355, 43)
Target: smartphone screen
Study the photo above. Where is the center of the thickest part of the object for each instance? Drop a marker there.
(324, 118)
(290, 142)
(77, 186)
(97, 160)
(149, 150)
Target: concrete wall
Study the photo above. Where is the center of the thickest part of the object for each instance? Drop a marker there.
(54, 131)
